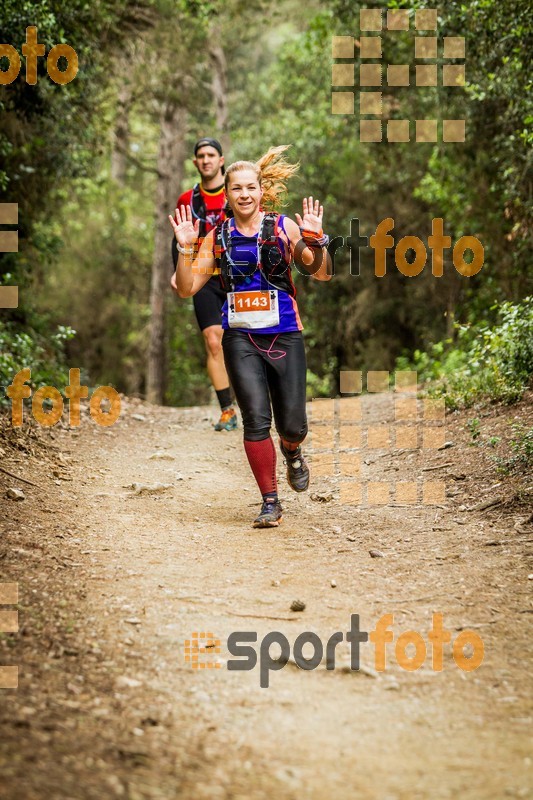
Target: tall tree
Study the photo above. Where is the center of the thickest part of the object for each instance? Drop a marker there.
(171, 156)
(219, 88)
(175, 79)
(121, 134)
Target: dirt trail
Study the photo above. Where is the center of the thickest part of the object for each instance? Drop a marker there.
(112, 583)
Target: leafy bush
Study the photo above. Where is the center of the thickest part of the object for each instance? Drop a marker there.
(522, 448)
(319, 386)
(484, 362)
(44, 356)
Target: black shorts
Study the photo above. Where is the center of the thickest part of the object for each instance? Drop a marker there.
(268, 381)
(208, 303)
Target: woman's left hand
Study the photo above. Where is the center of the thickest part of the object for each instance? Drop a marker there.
(312, 215)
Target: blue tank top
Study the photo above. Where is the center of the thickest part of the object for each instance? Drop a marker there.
(244, 252)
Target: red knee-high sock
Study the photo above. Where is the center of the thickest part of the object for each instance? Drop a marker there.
(262, 458)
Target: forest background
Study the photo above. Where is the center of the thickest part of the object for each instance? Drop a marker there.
(96, 165)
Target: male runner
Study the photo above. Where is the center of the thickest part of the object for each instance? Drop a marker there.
(206, 200)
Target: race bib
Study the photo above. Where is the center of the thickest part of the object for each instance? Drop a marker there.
(253, 309)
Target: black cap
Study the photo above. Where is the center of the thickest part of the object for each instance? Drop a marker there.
(208, 142)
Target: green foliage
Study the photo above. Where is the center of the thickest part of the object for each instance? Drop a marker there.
(485, 362)
(106, 236)
(319, 387)
(187, 383)
(45, 356)
(521, 459)
(86, 246)
(473, 426)
(50, 136)
(49, 132)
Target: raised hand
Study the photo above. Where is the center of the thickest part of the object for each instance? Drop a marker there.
(185, 231)
(312, 215)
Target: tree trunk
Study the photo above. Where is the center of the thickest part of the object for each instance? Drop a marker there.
(219, 86)
(121, 136)
(171, 157)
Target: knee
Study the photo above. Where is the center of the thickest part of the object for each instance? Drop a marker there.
(294, 433)
(213, 343)
(255, 431)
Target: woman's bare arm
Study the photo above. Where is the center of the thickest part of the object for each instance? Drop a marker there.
(193, 270)
(317, 259)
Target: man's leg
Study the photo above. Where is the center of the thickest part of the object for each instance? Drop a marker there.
(208, 309)
(216, 369)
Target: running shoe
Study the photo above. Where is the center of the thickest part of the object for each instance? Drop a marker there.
(297, 469)
(227, 421)
(270, 515)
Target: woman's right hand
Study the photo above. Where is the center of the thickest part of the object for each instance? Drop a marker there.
(185, 231)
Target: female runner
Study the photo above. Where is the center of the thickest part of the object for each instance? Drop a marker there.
(262, 341)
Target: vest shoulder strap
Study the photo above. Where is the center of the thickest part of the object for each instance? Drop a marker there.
(219, 237)
(270, 221)
(198, 207)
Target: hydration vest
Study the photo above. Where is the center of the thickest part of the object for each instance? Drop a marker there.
(198, 209)
(274, 264)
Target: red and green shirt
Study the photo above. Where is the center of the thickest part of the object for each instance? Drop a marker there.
(213, 202)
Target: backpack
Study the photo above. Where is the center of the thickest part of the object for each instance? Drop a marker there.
(274, 264)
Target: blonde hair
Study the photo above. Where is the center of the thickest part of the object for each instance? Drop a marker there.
(272, 171)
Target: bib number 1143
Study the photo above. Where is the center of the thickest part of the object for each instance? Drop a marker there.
(252, 301)
(253, 309)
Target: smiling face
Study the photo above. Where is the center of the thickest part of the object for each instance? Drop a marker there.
(208, 162)
(244, 193)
